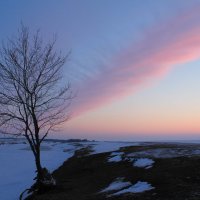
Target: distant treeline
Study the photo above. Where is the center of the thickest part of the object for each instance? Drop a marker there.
(70, 140)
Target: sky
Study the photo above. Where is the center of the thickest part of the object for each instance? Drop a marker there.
(134, 65)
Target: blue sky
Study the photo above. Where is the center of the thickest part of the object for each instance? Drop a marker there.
(135, 64)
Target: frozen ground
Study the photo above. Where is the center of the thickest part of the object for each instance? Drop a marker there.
(17, 165)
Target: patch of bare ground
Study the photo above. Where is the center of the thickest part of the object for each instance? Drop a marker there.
(83, 176)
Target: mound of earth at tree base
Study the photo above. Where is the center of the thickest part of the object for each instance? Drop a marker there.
(86, 176)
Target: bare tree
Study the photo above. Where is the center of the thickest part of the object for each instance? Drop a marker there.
(33, 101)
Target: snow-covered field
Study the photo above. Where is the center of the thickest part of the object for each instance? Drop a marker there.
(17, 168)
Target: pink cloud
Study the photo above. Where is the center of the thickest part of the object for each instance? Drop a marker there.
(173, 42)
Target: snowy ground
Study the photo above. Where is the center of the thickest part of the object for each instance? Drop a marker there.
(139, 187)
(118, 184)
(100, 147)
(143, 162)
(17, 168)
(168, 152)
(17, 165)
(120, 187)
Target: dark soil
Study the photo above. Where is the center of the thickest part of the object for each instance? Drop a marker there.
(82, 177)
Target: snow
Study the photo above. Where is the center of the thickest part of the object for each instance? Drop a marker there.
(139, 187)
(123, 187)
(102, 147)
(117, 158)
(168, 152)
(117, 153)
(18, 167)
(143, 162)
(117, 185)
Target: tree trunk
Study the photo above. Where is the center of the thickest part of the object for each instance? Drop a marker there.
(38, 166)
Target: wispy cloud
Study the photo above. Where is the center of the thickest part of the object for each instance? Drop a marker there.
(171, 42)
